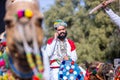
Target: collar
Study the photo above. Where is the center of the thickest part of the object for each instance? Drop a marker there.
(63, 41)
(17, 72)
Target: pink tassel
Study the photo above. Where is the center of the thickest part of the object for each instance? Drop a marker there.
(2, 63)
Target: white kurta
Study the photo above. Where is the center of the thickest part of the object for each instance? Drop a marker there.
(114, 17)
(53, 51)
(46, 65)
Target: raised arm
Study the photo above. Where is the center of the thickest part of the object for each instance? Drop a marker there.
(114, 17)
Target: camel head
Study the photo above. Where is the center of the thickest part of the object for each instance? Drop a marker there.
(24, 30)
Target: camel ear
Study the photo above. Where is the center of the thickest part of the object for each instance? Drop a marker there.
(8, 3)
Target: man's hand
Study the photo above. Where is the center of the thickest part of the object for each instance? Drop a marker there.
(66, 58)
(55, 35)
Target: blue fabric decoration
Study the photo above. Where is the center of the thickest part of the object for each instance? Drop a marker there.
(69, 70)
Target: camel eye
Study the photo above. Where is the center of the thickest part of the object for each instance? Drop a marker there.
(8, 22)
(39, 21)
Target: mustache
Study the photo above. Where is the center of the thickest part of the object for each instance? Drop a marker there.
(62, 33)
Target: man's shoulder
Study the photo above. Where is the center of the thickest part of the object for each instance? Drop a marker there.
(49, 41)
(71, 42)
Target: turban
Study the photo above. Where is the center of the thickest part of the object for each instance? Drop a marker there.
(58, 23)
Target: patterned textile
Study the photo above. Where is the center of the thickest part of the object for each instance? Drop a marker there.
(69, 70)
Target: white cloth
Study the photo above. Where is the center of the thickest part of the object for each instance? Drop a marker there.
(83, 70)
(46, 65)
(114, 17)
(53, 52)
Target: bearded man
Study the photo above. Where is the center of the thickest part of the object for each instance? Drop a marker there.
(59, 48)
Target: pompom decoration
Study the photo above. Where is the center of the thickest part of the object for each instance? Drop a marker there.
(35, 77)
(67, 72)
(20, 13)
(28, 13)
(24, 13)
(2, 63)
(38, 77)
(3, 44)
(5, 57)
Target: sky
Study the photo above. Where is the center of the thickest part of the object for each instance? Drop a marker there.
(45, 4)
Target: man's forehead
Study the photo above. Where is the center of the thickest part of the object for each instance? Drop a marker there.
(60, 27)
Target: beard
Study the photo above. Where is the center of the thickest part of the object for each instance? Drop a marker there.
(62, 35)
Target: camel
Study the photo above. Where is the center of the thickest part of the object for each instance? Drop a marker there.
(24, 40)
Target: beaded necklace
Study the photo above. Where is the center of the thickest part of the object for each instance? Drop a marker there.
(7, 76)
(4, 62)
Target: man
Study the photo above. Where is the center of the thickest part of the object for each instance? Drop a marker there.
(59, 48)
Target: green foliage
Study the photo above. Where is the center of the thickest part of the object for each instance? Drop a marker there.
(93, 34)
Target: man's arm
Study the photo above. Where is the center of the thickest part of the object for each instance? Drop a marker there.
(114, 17)
(73, 54)
(50, 47)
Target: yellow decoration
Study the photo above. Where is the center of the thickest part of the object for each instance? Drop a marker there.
(1, 78)
(0, 53)
(7, 50)
(55, 23)
(28, 13)
(7, 77)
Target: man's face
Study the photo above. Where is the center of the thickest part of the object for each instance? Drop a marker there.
(62, 33)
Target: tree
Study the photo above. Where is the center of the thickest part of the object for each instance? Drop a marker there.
(93, 34)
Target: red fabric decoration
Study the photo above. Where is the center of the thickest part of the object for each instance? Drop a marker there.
(72, 63)
(50, 40)
(35, 78)
(73, 47)
(71, 70)
(3, 44)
